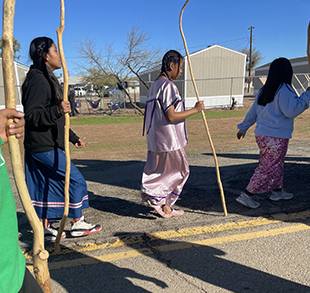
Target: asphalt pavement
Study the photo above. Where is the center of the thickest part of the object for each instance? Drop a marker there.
(261, 250)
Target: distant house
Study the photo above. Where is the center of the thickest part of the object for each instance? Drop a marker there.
(133, 87)
(20, 72)
(76, 82)
(73, 80)
(219, 73)
(300, 78)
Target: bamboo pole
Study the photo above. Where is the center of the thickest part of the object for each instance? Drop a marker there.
(60, 31)
(203, 115)
(40, 255)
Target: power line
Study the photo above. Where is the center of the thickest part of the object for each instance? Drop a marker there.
(221, 42)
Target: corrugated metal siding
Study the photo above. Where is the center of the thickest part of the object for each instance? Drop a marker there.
(300, 67)
(2, 97)
(149, 78)
(216, 64)
(19, 75)
(219, 74)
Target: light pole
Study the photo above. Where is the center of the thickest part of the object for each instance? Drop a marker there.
(250, 58)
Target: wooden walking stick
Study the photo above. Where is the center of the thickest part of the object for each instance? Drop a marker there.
(308, 46)
(67, 125)
(203, 115)
(40, 255)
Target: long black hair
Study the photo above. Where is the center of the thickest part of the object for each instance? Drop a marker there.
(280, 71)
(38, 47)
(171, 56)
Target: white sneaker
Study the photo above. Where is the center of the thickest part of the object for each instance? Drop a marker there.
(277, 195)
(50, 233)
(82, 228)
(247, 201)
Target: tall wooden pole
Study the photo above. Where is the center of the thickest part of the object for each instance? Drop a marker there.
(40, 255)
(60, 31)
(308, 45)
(203, 114)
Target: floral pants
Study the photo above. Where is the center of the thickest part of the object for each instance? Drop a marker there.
(269, 174)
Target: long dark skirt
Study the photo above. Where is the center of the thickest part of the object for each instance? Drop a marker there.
(45, 178)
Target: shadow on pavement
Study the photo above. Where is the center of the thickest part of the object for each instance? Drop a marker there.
(256, 157)
(208, 265)
(184, 261)
(200, 195)
(90, 275)
(201, 191)
(119, 206)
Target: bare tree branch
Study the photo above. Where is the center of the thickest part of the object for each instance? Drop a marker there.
(108, 64)
(138, 56)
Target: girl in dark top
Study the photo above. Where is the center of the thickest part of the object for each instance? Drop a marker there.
(45, 161)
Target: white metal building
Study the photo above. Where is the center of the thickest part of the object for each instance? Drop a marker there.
(20, 74)
(300, 79)
(219, 73)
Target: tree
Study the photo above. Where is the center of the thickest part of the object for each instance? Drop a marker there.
(139, 56)
(94, 76)
(16, 48)
(107, 64)
(256, 57)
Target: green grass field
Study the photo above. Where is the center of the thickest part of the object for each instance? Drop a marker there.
(91, 120)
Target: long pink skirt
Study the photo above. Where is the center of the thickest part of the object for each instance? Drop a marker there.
(164, 176)
(268, 175)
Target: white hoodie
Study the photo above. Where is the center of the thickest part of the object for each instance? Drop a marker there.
(276, 119)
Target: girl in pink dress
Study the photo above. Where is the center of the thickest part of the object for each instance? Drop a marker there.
(166, 169)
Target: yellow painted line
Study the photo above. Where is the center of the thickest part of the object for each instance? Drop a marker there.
(237, 237)
(98, 259)
(175, 246)
(277, 218)
(95, 259)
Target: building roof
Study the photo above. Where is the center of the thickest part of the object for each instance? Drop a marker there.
(294, 61)
(214, 47)
(19, 65)
(72, 80)
(194, 53)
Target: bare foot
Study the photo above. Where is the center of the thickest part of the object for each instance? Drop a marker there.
(166, 209)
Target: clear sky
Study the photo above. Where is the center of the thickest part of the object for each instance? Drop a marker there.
(280, 25)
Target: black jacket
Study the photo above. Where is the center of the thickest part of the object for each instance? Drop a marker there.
(71, 96)
(44, 126)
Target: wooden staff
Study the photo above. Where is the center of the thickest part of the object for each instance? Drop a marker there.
(40, 255)
(203, 115)
(308, 46)
(67, 124)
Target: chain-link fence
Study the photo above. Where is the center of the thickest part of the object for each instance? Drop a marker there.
(216, 93)
(300, 82)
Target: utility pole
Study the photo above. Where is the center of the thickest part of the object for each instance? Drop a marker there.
(250, 58)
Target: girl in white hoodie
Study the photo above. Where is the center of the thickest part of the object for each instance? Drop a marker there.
(273, 110)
